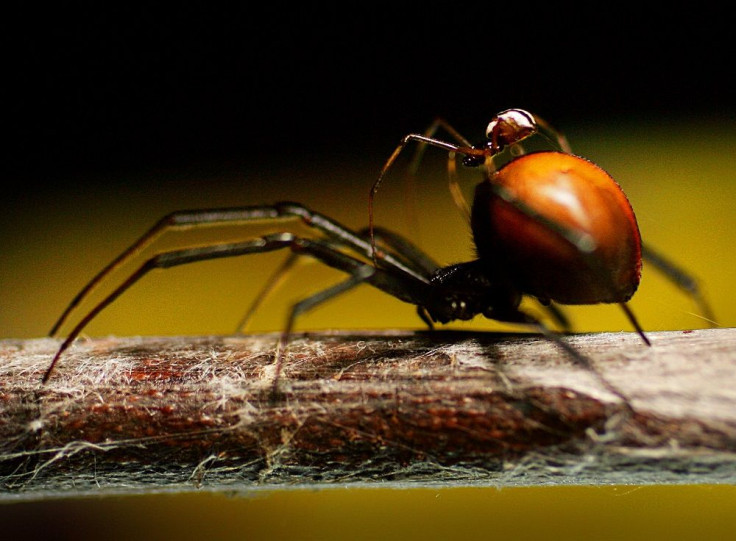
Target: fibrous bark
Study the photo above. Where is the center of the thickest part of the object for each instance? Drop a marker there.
(179, 413)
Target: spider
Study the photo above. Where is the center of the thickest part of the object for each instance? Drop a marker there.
(546, 224)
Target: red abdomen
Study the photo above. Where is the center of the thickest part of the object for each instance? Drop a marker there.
(579, 197)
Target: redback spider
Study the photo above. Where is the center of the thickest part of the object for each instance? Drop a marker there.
(548, 225)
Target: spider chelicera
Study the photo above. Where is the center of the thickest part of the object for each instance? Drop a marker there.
(546, 224)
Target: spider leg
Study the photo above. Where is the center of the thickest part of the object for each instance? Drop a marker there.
(359, 276)
(427, 138)
(398, 283)
(454, 186)
(411, 255)
(164, 260)
(430, 132)
(213, 217)
(402, 249)
(559, 317)
(422, 139)
(681, 279)
(550, 133)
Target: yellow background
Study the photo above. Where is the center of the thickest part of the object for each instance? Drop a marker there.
(679, 176)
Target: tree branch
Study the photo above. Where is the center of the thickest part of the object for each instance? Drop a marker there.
(177, 413)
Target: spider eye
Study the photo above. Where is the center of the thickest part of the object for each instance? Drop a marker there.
(510, 126)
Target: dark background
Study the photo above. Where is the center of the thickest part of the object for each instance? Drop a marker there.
(113, 89)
